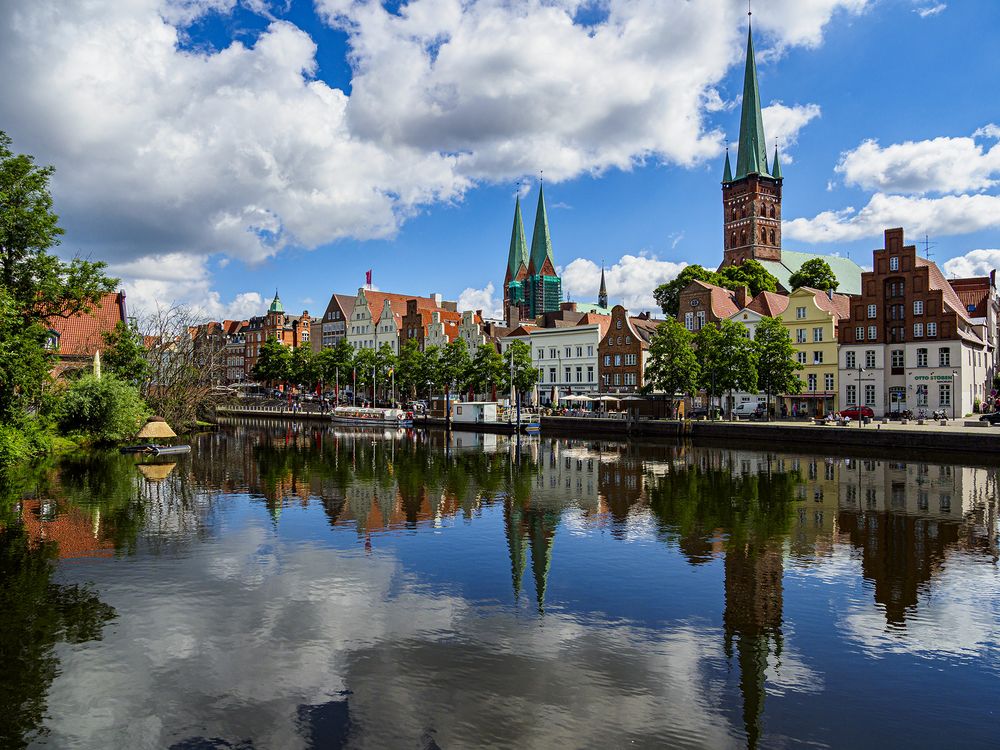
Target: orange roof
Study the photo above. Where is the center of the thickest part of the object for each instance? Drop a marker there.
(722, 300)
(769, 304)
(837, 304)
(936, 280)
(397, 302)
(974, 293)
(80, 335)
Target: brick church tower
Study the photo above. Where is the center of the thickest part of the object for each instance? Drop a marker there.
(751, 200)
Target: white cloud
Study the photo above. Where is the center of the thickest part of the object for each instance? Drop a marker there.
(930, 10)
(484, 299)
(179, 278)
(783, 123)
(630, 281)
(973, 263)
(948, 215)
(944, 165)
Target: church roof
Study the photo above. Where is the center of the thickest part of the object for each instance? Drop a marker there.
(276, 305)
(848, 272)
(541, 242)
(518, 254)
(752, 157)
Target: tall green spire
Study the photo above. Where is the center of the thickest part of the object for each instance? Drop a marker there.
(775, 165)
(276, 305)
(727, 173)
(518, 255)
(752, 158)
(541, 243)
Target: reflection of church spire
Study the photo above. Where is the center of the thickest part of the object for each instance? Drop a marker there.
(541, 527)
(753, 618)
(514, 528)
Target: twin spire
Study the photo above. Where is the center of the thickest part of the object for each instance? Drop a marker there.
(541, 241)
(752, 156)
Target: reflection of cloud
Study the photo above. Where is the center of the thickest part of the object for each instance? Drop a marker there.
(312, 622)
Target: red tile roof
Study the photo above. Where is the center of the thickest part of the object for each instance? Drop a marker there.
(80, 335)
(936, 280)
(974, 294)
(723, 301)
(769, 304)
(838, 304)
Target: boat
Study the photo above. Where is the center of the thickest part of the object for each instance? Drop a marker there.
(157, 450)
(372, 416)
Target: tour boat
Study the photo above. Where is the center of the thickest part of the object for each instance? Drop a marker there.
(372, 416)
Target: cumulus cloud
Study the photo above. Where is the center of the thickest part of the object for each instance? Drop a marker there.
(180, 278)
(783, 123)
(950, 214)
(973, 263)
(242, 151)
(630, 281)
(930, 10)
(944, 165)
(484, 299)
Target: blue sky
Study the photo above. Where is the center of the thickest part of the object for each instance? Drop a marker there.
(214, 150)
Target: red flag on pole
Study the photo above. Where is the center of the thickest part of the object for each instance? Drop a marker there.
(368, 277)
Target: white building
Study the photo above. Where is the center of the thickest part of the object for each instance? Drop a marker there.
(566, 358)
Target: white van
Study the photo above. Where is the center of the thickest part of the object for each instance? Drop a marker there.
(749, 409)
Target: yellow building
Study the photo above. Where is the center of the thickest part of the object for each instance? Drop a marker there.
(812, 318)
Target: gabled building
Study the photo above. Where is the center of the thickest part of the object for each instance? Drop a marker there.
(531, 284)
(290, 330)
(623, 351)
(77, 338)
(332, 327)
(751, 200)
(378, 318)
(813, 319)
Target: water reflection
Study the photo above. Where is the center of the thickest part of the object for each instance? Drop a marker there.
(300, 587)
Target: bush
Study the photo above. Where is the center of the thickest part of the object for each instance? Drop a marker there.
(22, 441)
(105, 410)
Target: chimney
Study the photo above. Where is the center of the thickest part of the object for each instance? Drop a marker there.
(437, 299)
(513, 316)
(567, 306)
(742, 297)
(829, 294)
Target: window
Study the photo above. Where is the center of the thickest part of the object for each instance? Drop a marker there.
(618, 360)
(828, 381)
(618, 324)
(800, 313)
(869, 358)
(800, 336)
(944, 357)
(541, 353)
(872, 333)
(629, 359)
(932, 329)
(918, 307)
(859, 333)
(541, 374)
(552, 352)
(590, 350)
(852, 395)
(579, 374)
(701, 324)
(579, 351)
(590, 373)
(897, 357)
(812, 383)
(921, 395)
(872, 312)
(607, 360)
(629, 378)
(869, 395)
(894, 263)
(569, 374)
(921, 358)
(817, 358)
(918, 330)
(569, 352)
(944, 394)
(552, 374)
(817, 335)
(850, 360)
(689, 321)
(618, 379)
(802, 357)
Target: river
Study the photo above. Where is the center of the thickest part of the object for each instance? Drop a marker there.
(295, 586)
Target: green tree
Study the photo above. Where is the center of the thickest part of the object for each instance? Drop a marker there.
(302, 369)
(455, 363)
(274, 363)
(488, 372)
(815, 273)
(24, 361)
(672, 366)
(668, 295)
(124, 355)
(776, 363)
(333, 364)
(385, 366)
(750, 273)
(364, 371)
(525, 374)
(430, 374)
(42, 285)
(728, 359)
(105, 409)
(409, 368)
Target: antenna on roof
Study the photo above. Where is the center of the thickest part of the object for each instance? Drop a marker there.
(927, 247)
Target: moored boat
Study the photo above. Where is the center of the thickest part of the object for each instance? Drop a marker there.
(372, 416)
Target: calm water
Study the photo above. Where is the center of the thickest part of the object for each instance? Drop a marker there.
(286, 588)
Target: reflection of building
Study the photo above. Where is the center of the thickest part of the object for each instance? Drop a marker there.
(76, 532)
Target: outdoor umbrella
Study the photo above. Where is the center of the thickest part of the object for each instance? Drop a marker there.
(156, 427)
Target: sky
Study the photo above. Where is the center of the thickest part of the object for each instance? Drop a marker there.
(214, 151)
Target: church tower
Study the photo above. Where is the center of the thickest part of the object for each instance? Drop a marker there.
(514, 293)
(544, 288)
(602, 295)
(751, 199)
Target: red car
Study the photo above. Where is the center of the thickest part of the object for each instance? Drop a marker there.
(854, 412)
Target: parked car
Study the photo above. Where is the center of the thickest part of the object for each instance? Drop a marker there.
(992, 417)
(856, 412)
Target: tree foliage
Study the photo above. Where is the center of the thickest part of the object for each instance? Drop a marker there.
(24, 361)
(815, 273)
(525, 374)
(776, 363)
(488, 372)
(668, 295)
(302, 367)
(274, 363)
(455, 363)
(124, 355)
(750, 273)
(672, 366)
(105, 409)
(728, 359)
(409, 368)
